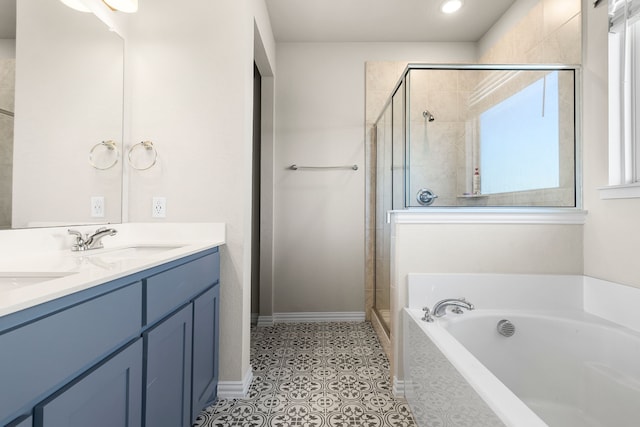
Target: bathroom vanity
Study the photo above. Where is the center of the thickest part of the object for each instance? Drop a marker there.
(137, 346)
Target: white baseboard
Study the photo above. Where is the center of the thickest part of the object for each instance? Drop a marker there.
(265, 321)
(254, 318)
(236, 389)
(398, 387)
(315, 317)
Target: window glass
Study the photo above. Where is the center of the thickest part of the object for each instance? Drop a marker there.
(519, 140)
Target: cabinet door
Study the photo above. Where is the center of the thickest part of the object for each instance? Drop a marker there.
(205, 349)
(109, 395)
(43, 356)
(168, 371)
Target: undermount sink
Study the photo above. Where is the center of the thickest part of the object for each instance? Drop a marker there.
(129, 252)
(10, 280)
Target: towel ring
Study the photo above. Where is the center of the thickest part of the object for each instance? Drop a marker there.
(111, 147)
(148, 146)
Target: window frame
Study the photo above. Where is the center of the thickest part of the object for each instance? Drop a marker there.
(624, 101)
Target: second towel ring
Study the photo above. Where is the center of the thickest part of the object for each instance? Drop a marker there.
(148, 146)
(111, 146)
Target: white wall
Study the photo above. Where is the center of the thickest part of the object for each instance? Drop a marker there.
(319, 215)
(612, 231)
(191, 92)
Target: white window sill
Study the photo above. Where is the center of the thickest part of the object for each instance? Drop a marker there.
(626, 191)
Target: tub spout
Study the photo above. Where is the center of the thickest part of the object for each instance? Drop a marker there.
(440, 309)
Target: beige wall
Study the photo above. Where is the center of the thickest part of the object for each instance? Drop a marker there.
(612, 231)
(318, 236)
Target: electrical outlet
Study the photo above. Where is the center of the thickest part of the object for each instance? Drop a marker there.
(97, 207)
(159, 207)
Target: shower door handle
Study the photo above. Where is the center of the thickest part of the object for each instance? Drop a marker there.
(426, 197)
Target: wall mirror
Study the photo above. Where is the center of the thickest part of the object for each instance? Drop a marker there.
(61, 136)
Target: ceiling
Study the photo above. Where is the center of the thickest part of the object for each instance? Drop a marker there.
(381, 20)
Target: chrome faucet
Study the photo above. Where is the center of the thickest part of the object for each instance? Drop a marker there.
(90, 241)
(440, 309)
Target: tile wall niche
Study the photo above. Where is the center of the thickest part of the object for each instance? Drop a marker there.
(7, 90)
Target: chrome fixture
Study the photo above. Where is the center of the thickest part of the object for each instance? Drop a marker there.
(506, 328)
(426, 197)
(440, 309)
(90, 241)
(108, 147)
(298, 167)
(149, 149)
(427, 115)
(427, 315)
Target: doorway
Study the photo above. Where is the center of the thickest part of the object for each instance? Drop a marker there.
(255, 195)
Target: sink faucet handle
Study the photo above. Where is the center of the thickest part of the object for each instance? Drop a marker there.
(80, 240)
(75, 233)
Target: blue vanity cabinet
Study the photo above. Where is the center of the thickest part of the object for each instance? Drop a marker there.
(168, 371)
(138, 351)
(206, 315)
(107, 396)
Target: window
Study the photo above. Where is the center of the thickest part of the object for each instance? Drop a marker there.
(624, 97)
(520, 140)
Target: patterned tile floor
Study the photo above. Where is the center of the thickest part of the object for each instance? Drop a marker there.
(312, 375)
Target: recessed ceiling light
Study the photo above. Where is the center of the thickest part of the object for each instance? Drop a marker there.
(451, 6)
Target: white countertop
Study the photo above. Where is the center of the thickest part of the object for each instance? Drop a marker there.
(46, 252)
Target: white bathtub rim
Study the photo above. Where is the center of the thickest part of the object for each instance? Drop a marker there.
(512, 411)
(572, 316)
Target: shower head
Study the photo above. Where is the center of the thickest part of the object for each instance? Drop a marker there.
(427, 115)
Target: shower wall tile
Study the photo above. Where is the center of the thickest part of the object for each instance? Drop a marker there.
(529, 32)
(7, 83)
(549, 33)
(442, 104)
(7, 96)
(563, 46)
(375, 102)
(380, 77)
(557, 13)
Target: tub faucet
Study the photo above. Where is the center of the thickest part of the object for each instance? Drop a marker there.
(440, 309)
(90, 241)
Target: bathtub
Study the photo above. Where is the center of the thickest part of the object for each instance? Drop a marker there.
(564, 366)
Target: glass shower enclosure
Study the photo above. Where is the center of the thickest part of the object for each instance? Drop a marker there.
(474, 136)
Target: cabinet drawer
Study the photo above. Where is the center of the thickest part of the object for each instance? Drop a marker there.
(170, 289)
(41, 356)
